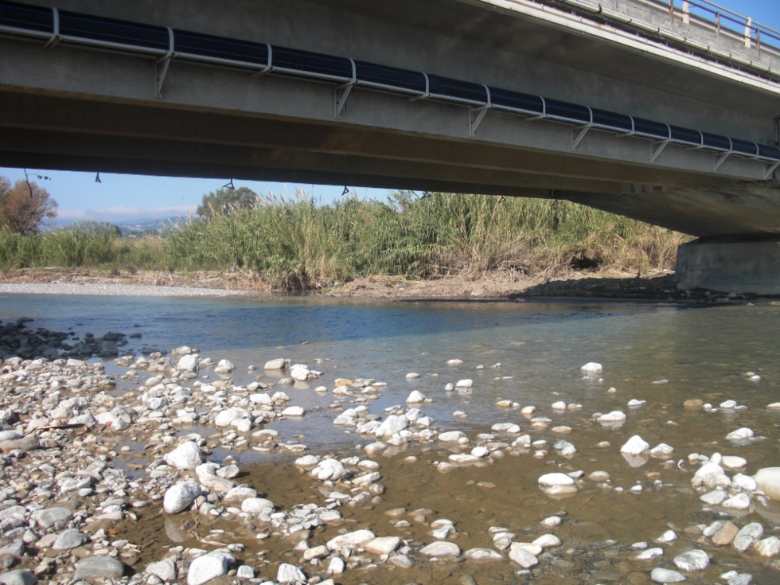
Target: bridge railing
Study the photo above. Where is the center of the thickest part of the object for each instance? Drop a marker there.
(707, 18)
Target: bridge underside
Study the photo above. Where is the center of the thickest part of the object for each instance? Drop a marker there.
(71, 132)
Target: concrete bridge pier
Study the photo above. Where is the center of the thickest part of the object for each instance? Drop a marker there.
(730, 265)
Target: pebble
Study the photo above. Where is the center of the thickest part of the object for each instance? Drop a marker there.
(185, 456)
(289, 574)
(180, 496)
(768, 547)
(522, 557)
(69, 539)
(768, 481)
(725, 535)
(748, 536)
(441, 548)
(649, 554)
(592, 368)
(18, 577)
(635, 446)
(740, 434)
(692, 560)
(465, 383)
(106, 567)
(661, 575)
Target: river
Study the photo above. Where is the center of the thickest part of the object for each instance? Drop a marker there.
(529, 353)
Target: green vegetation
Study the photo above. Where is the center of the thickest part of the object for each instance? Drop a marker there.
(296, 244)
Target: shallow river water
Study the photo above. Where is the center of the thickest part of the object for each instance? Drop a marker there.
(528, 353)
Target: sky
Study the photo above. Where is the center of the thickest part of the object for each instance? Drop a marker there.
(121, 198)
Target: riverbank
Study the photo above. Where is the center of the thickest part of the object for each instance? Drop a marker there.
(657, 285)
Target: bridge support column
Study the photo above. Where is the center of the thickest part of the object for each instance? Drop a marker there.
(730, 265)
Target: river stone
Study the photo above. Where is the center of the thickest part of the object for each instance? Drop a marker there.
(692, 560)
(548, 541)
(711, 476)
(18, 577)
(482, 554)
(329, 469)
(69, 539)
(289, 574)
(725, 535)
(350, 539)
(277, 364)
(99, 567)
(257, 506)
(510, 428)
(738, 502)
(635, 446)
(293, 411)
(391, 425)
(415, 397)
(744, 482)
(660, 575)
(52, 517)
(592, 368)
(247, 572)
(768, 547)
(165, 569)
(238, 494)
(748, 536)
(768, 481)
(714, 497)
(180, 496)
(10, 435)
(650, 553)
(188, 363)
(522, 557)
(452, 436)
(556, 480)
(226, 417)
(612, 417)
(224, 367)
(465, 383)
(25, 444)
(740, 434)
(383, 545)
(441, 549)
(185, 456)
(732, 462)
(208, 566)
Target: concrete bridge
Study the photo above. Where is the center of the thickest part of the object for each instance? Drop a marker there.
(659, 111)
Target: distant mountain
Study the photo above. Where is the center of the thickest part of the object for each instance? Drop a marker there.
(127, 227)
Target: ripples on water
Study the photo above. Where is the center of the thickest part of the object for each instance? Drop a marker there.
(700, 352)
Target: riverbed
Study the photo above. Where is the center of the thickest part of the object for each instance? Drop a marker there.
(515, 355)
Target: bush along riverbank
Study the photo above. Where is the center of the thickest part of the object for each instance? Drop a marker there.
(296, 244)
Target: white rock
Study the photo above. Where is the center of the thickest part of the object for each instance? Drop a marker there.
(188, 363)
(692, 560)
(560, 405)
(744, 482)
(740, 501)
(329, 469)
(180, 496)
(660, 575)
(441, 548)
(415, 397)
(293, 411)
(649, 554)
(165, 569)
(482, 554)
(454, 362)
(452, 436)
(711, 476)
(732, 462)
(634, 403)
(748, 535)
(336, 566)
(350, 540)
(290, 574)
(257, 506)
(209, 566)
(185, 456)
(662, 450)
(277, 364)
(768, 481)
(522, 557)
(615, 416)
(768, 547)
(668, 536)
(465, 383)
(728, 404)
(591, 368)
(635, 446)
(740, 434)
(714, 497)
(552, 521)
(412, 376)
(548, 541)
(383, 545)
(510, 428)
(391, 425)
(307, 461)
(224, 367)
(228, 416)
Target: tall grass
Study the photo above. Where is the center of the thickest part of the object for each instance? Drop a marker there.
(296, 244)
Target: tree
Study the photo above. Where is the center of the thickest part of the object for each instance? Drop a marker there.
(25, 206)
(225, 201)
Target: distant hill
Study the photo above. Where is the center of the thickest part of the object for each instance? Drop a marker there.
(129, 228)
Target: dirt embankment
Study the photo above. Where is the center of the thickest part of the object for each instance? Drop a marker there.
(655, 286)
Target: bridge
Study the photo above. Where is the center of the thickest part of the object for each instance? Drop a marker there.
(664, 111)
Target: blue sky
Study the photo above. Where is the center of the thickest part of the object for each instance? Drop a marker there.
(126, 197)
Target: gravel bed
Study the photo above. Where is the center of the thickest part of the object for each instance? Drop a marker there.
(135, 290)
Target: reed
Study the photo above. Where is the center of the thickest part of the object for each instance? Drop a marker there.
(294, 243)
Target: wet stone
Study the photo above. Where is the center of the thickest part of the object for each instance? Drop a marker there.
(69, 539)
(661, 575)
(18, 577)
(99, 567)
(748, 535)
(725, 535)
(441, 549)
(692, 560)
